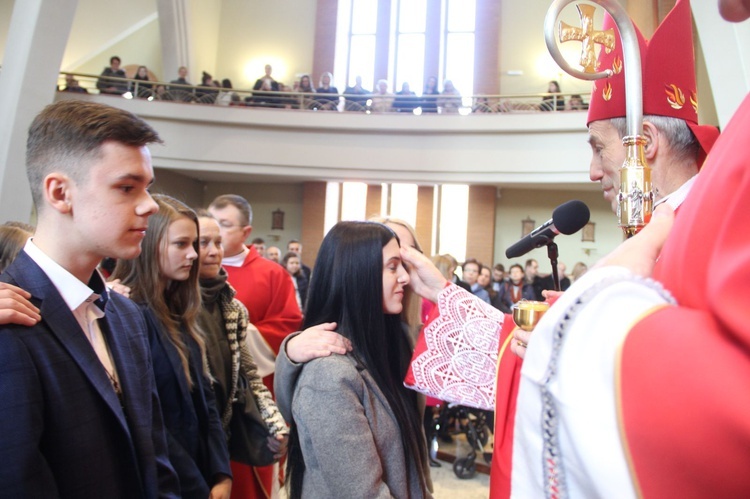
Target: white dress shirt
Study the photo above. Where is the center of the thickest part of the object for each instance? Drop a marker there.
(82, 301)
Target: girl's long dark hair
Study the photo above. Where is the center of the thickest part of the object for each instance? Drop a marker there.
(347, 288)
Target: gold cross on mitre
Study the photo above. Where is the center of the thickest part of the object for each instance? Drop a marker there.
(588, 37)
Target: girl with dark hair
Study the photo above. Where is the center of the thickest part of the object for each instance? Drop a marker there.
(293, 265)
(141, 88)
(305, 87)
(375, 445)
(329, 95)
(164, 282)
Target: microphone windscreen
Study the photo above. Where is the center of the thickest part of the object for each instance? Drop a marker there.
(570, 217)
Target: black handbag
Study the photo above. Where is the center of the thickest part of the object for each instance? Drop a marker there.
(248, 434)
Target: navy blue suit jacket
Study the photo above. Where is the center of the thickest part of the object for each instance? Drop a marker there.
(63, 431)
(195, 437)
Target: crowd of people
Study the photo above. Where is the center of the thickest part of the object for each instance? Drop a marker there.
(138, 383)
(267, 92)
(502, 289)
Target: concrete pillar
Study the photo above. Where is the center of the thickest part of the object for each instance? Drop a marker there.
(174, 27)
(37, 37)
(480, 227)
(425, 216)
(313, 219)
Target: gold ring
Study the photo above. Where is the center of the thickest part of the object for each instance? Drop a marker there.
(522, 344)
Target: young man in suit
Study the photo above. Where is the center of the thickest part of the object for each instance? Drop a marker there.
(79, 410)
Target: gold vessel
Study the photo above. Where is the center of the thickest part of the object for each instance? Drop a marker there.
(527, 313)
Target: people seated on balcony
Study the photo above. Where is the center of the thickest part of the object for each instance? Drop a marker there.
(554, 102)
(353, 102)
(107, 83)
(304, 86)
(430, 96)
(142, 88)
(406, 100)
(450, 98)
(266, 81)
(328, 95)
(72, 85)
(207, 92)
(265, 91)
(182, 73)
(161, 93)
(484, 105)
(227, 96)
(382, 100)
(575, 103)
(180, 93)
(266, 96)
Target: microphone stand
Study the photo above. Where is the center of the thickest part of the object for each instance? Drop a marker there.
(552, 253)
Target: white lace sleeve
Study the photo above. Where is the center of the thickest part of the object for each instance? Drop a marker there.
(456, 359)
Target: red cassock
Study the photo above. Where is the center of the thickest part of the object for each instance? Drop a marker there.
(685, 370)
(266, 289)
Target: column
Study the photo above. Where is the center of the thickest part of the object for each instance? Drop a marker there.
(174, 27)
(313, 219)
(480, 228)
(37, 37)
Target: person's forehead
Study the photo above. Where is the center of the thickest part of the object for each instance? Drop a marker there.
(228, 211)
(403, 234)
(603, 131)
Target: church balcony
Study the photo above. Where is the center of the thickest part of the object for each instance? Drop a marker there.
(502, 140)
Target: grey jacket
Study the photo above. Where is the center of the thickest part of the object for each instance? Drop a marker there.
(348, 434)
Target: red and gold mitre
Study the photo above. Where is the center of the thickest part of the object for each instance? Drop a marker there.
(668, 74)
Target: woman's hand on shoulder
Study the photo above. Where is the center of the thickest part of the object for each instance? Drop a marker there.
(119, 287)
(15, 307)
(317, 341)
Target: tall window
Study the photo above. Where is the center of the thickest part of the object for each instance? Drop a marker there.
(347, 201)
(452, 220)
(458, 54)
(410, 44)
(361, 32)
(359, 37)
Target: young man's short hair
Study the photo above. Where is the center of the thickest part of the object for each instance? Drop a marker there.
(474, 261)
(113, 59)
(246, 212)
(66, 136)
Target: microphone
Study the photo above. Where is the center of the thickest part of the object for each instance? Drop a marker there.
(568, 218)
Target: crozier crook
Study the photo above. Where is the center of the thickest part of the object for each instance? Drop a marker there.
(635, 199)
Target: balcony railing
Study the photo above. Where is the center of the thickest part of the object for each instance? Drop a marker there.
(354, 103)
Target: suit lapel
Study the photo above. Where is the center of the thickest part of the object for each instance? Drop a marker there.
(60, 320)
